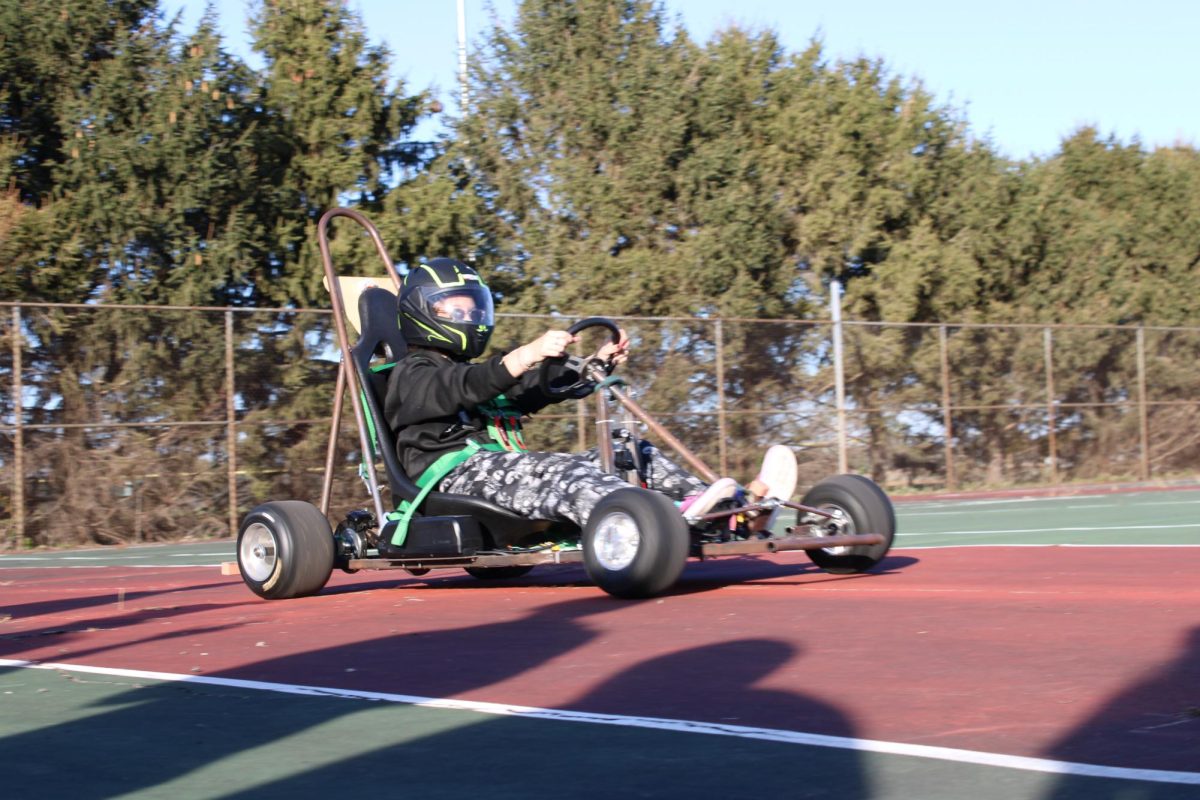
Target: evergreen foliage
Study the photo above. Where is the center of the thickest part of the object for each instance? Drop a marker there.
(607, 164)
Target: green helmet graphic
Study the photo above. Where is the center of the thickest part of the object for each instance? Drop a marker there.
(444, 304)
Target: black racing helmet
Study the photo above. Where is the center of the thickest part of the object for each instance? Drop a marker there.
(444, 304)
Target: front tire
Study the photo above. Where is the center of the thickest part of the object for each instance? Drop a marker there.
(285, 549)
(858, 506)
(635, 543)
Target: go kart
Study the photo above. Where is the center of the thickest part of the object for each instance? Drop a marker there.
(635, 543)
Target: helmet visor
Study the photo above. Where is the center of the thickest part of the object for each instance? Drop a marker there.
(471, 305)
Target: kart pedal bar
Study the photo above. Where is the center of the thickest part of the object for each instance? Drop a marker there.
(780, 544)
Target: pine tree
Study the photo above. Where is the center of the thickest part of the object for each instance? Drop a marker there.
(340, 131)
(50, 54)
(577, 124)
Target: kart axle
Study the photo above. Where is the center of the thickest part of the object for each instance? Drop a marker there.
(531, 559)
(782, 543)
(709, 550)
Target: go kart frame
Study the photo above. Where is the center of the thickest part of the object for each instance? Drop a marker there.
(634, 545)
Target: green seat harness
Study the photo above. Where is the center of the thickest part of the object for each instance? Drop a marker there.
(504, 427)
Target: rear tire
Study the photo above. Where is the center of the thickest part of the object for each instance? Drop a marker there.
(859, 506)
(285, 549)
(635, 543)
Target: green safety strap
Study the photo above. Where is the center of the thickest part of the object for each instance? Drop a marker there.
(430, 478)
(504, 423)
(370, 418)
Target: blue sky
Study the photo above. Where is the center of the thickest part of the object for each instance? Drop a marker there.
(1026, 73)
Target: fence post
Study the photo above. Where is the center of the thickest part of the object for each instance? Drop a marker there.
(839, 373)
(1143, 412)
(231, 425)
(947, 416)
(1052, 422)
(18, 434)
(722, 433)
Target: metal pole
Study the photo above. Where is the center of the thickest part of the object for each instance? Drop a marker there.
(722, 432)
(331, 447)
(18, 434)
(231, 425)
(664, 435)
(462, 57)
(604, 442)
(947, 414)
(835, 309)
(346, 376)
(581, 413)
(581, 424)
(1143, 418)
(137, 511)
(1052, 423)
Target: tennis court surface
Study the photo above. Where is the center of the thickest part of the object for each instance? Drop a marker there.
(1007, 648)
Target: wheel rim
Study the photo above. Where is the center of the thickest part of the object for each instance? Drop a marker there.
(258, 552)
(616, 541)
(839, 523)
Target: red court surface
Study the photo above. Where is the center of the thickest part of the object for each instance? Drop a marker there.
(1088, 655)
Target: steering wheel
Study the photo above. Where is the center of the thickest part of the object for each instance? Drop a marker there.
(587, 368)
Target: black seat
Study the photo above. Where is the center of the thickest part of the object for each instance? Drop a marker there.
(381, 337)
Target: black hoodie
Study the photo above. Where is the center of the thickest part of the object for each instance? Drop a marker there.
(432, 403)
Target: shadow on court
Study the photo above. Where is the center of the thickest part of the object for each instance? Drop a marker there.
(1163, 708)
(190, 739)
(696, 578)
(60, 605)
(70, 635)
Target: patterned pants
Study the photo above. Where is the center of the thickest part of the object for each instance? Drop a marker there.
(559, 485)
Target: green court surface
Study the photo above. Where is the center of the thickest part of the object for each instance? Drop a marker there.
(189, 554)
(75, 735)
(1134, 518)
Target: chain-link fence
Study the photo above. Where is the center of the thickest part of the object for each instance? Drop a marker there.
(125, 424)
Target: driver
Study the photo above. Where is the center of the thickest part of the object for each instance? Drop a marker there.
(457, 421)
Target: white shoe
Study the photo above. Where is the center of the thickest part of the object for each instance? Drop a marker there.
(698, 505)
(778, 475)
(779, 472)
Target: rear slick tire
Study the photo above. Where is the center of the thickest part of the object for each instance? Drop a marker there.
(285, 549)
(635, 543)
(858, 506)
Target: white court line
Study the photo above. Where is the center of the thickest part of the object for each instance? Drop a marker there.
(1146, 498)
(1112, 505)
(903, 514)
(1056, 529)
(676, 725)
(1157, 503)
(73, 558)
(1003, 501)
(124, 566)
(111, 558)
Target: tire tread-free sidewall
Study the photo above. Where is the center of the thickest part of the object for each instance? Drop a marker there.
(304, 552)
(871, 511)
(662, 549)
